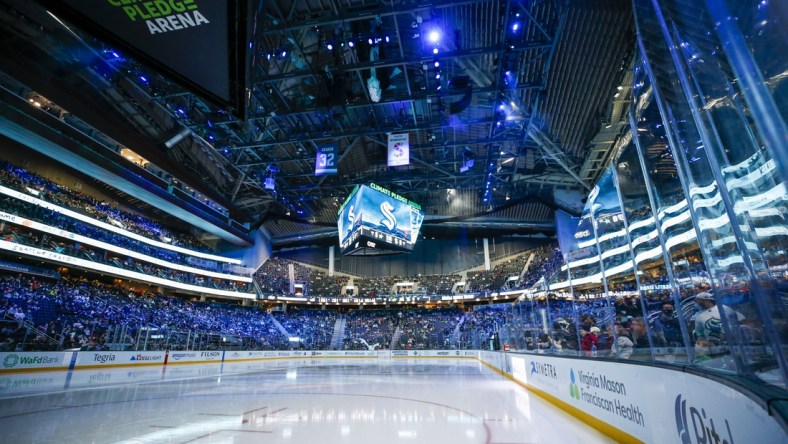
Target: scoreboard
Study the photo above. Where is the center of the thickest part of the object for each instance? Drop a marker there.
(373, 220)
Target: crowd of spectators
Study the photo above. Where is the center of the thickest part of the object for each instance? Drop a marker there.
(369, 329)
(423, 329)
(314, 328)
(48, 314)
(53, 218)
(26, 236)
(85, 312)
(22, 180)
(273, 276)
(547, 259)
(376, 286)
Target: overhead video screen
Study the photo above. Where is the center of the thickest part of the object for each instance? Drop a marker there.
(202, 44)
(375, 220)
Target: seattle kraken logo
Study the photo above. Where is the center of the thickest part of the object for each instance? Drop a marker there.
(351, 218)
(390, 221)
(574, 390)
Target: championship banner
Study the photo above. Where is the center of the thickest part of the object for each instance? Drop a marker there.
(399, 150)
(326, 160)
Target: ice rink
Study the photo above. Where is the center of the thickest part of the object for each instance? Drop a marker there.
(287, 401)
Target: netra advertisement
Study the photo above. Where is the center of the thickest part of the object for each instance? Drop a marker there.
(652, 404)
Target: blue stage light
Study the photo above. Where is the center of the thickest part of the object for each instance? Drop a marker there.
(434, 36)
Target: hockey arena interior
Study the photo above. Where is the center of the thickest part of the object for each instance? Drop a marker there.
(364, 221)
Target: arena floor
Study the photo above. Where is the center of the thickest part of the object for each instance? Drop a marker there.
(288, 401)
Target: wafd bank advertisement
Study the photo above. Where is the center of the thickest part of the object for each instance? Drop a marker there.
(651, 404)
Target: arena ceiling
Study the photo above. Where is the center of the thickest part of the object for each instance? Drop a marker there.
(535, 92)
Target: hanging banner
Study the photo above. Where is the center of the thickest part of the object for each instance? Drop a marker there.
(327, 159)
(399, 150)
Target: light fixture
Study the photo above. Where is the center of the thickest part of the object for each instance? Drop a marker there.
(434, 36)
(330, 47)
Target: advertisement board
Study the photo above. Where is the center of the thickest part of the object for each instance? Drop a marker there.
(93, 359)
(198, 43)
(25, 361)
(193, 357)
(433, 354)
(650, 404)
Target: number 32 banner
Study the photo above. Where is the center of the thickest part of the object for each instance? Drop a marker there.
(326, 161)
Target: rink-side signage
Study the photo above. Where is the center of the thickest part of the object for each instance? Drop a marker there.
(648, 403)
(16, 361)
(118, 359)
(434, 354)
(190, 357)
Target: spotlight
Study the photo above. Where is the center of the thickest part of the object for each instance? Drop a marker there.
(515, 27)
(434, 36)
(330, 47)
(387, 39)
(434, 50)
(369, 41)
(508, 73)
(350, 43)
(284, 54)
(438, 75)
(437, 63)
(501, 107)
(143, 79)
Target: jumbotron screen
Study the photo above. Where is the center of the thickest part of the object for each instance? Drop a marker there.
(373, 220)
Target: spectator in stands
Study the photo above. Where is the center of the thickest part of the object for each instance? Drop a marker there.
(624, 343)
(667, 323)
(590, 341)
(708, 324)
